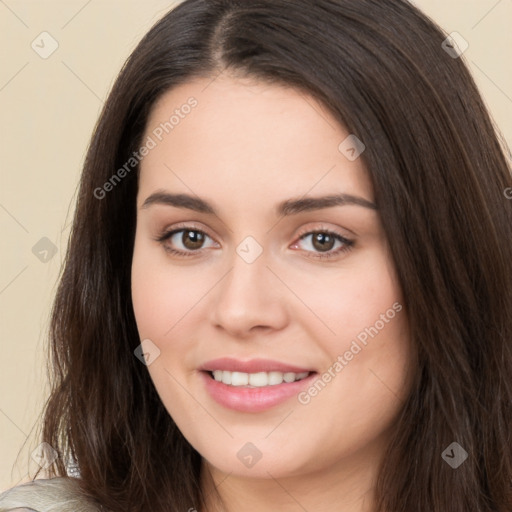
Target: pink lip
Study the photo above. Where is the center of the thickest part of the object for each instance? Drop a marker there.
(244, 399)
(252, 366)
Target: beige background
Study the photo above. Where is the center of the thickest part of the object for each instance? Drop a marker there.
(48, 110)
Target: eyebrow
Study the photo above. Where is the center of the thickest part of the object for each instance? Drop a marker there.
(286, 208)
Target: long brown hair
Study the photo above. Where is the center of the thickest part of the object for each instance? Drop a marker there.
(440, 179)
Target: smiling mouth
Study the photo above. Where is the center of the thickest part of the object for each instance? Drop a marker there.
(256, 380)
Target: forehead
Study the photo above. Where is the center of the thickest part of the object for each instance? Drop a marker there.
(241, 139)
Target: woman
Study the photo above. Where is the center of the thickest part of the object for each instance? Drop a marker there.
(289, 281)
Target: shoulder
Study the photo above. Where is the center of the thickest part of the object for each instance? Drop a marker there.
(60, 494)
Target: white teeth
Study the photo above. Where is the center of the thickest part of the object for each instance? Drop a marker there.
(238, 378)
(289, 377)
(256, 380)
(275, 378)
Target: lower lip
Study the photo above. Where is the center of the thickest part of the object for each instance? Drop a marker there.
(258, 399)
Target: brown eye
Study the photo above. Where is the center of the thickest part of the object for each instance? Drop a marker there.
(323, 241)
(186, 241)
(192, 240)
(324, 244)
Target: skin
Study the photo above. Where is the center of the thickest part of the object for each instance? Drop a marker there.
(244, 148)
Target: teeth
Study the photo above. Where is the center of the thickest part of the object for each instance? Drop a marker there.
(256, 380)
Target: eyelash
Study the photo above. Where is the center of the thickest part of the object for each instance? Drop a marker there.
(347, 244)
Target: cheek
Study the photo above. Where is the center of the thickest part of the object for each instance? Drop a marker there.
(151, 299)
(364, 338)
(161, 294)
(345, 302)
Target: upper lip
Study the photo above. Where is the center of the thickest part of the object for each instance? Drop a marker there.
(251, 366)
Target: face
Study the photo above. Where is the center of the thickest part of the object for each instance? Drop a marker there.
(273, 319)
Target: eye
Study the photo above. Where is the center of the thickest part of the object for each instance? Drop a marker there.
(324, 244)
(190, 241)
(185, 241)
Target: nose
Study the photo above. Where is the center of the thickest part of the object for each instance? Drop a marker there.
(249, 299)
